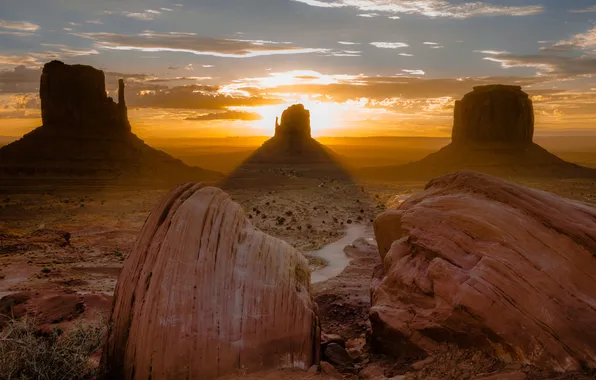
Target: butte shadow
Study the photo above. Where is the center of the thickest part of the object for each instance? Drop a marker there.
(492, 133)
(290, 159)
(86, 139)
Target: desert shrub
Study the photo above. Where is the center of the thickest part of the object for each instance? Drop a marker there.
(28, 353)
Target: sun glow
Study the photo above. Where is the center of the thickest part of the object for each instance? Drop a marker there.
(324, 116)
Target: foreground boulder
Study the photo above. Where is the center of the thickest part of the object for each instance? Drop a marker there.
(481, 262)
(203, 293)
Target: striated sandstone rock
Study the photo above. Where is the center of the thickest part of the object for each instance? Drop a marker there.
(486, 263)
(203, 293)
(493, 114)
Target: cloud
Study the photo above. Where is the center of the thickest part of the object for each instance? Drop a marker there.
(156, 42)
(389, 45)
(430, 43)
(348, 43)
(343, 87)
(65, 51)
(19, 80)
(586, 10)
(14, 60)
(369, 15)
(147, 15)
(23, 26)
(406, 55)
(430, 8)
(581, 41)
(16, 33)
(194, 97)
(414, 72)
(548, 64)
(96, 22)
(227, 115)
(492, 52)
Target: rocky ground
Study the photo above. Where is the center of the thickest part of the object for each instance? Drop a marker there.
(61, 252)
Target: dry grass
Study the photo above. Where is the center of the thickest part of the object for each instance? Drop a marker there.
(28, 353)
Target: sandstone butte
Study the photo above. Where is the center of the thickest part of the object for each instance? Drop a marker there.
(86, 135)
(292, 152)
(204, 293)
(481, 262)
(493, 131)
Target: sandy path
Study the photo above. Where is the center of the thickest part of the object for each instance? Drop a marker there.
(334, 254)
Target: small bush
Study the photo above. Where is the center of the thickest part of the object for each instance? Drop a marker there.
(26, 352)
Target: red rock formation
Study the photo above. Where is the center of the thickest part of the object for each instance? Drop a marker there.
(86, 135)
(203, 293)
(291, 150)
(295, 123)
(494, 114)
(74, 97)
(486, 263)
(492, 133)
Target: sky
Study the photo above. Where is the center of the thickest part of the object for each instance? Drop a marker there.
(210, 68)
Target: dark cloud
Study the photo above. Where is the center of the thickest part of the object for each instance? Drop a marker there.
(228, 115)
(380, 88)
(19, 80)
(188, 43)
(194, 97)
(554, 65)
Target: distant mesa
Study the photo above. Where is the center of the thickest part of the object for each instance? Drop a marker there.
(295, 124)
(86, 135)
(493, 132)
(494, 114)
(291, 153)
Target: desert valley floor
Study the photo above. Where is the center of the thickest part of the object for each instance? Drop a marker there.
(63, 248)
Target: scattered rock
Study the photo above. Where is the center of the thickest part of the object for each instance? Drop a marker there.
(514, 375)
(422, 363)
(329, 369)
(332, 338)
(372, 372)
(337, 355)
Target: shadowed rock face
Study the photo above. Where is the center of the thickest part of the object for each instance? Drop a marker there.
(492, 133)
(482, 262)
(74, 97)
(494, 114)
(295, 124)
(86, 136)
(291, 151)
(203, 293)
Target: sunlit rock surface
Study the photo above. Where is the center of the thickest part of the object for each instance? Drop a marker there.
(482, 262)
(86, 135)
(203, 293)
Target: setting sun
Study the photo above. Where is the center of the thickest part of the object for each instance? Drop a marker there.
(325, 116)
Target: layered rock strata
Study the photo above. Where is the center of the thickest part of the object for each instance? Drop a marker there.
(204, 293)
(481, 262)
